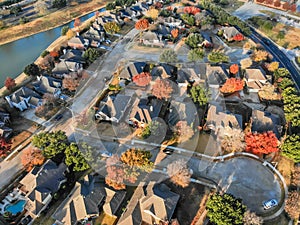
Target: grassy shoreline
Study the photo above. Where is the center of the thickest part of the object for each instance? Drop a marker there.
(48, 22)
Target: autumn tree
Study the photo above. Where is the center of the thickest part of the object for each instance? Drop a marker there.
(70, 83)
(225, 209)
(9, 83)
(238, 37)
(5, 147)
(231, 139)
(142, 24)
(260, 55)
(111, 27)
(199, 95)
(179, 173)
(191, 10)
(70, 33)
(51, 143)
(273, 66)
(162, 89)
(174, 33)
(292, 205)
(234, 69)
(32, 157)
(142, 79)
(277, 3)
(168, 56)
(75, 159)
(245, 63)
(217, 57)
(183, 132)
(152, 13)
(115, 173)
(250, 218)
(47, 63)
(77, 23)
(232, 85)
(137, 158)
(261, 143)
(286, 6)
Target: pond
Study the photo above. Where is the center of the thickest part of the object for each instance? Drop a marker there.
(16, 207)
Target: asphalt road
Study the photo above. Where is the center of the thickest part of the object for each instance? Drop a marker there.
(278, 56)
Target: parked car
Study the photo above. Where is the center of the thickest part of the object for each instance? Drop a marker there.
(26, 220)
(270, 204)
(168, 151)
(58, 117)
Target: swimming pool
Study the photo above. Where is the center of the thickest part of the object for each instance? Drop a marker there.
(16, 207)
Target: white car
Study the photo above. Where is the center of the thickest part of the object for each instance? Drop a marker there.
(270, 204)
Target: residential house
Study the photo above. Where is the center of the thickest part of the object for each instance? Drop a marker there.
(40, 184)
(78, 42)
(255, 79)
(132, 69)
(46, 84)
(71, 61)
(114, 108)
(144, 111)
(172, 22)
(164, 71)
(151, 38)
(5, 131)
(89, 198)
(218, 118)
(229, 33)
(207, 43)
(215, 76)
(95, 34)
(182, 111)
(24, 98)
(151, 203)
(262, 121)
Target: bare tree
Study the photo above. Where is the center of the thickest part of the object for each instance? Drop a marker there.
(250, 218)
(179, 173)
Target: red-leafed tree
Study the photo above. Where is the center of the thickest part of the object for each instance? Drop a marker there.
(191, 10)
(277, 3)
(115, 173)
(293, 7)
(54, 54)
(234, 69)
(269, 2)
(260, 1)
(142, 24)
(9, 83)
(142, 79)
(232, 85)
(158, 5)
(77, 23)
(261, 143)
(32, 157)
(162, 89)
(4, 147)
(286, 6)
(238, 37)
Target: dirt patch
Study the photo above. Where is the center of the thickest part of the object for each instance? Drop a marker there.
(285, 167)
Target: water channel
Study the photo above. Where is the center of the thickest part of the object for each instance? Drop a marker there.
(14, 56)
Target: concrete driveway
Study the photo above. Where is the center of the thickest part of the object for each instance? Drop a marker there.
(243, 177)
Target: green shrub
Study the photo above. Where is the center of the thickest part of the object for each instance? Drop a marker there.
(44, 53)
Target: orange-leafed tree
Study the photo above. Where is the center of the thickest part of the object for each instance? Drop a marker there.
(179, 173)
(260, 55)
(238, 37)
(232, 85)
(142, 79)
(77, 23)
(273, 66)
(142, 24)
(162, 89)
(191, 10)
(32, 157)
(174, 33)
(9, 83)
(234, 69)
(70, 83)
(269, 2)
(293, 7)
(5, 147)
(261, 143)
(115, 173)
(54, 54)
